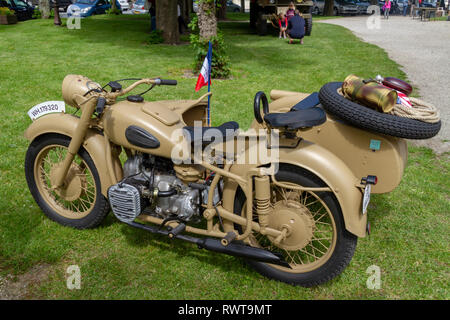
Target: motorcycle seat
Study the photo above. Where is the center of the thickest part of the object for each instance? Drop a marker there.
(210, 134)
(293, 120)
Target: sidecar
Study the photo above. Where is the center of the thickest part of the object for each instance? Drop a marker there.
(364, 152)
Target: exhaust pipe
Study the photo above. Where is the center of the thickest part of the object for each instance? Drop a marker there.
(211, 244)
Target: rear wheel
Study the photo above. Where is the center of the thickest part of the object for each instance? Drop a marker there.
(318, 247)
(79, 203)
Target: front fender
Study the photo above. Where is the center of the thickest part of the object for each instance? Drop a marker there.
(94, 142)
(328, 168)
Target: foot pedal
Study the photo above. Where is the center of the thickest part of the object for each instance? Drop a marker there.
(177, 230)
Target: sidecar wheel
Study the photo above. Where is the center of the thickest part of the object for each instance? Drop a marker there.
(320, 249)
(80, 203)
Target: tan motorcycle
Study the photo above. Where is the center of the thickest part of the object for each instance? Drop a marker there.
(295, 219)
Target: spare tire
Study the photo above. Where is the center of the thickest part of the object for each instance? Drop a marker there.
(366, 118)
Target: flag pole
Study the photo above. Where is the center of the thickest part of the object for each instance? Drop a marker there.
(209, 80)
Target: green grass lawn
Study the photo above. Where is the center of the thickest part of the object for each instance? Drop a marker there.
(410, 227)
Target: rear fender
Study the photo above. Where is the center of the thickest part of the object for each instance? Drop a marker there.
(326, 166)
(94, 143)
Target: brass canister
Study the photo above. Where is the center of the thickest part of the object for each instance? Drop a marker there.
(370, 94)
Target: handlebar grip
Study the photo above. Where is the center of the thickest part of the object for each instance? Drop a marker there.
(101, 102)
(166, 82)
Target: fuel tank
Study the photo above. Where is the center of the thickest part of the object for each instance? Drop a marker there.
(150, 127)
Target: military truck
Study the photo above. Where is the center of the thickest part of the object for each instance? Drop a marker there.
(262, 11)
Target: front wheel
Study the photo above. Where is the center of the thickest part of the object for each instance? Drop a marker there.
(79, 203)
(317, 247)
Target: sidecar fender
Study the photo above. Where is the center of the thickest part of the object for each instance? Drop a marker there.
(329, 169)
(94, 143)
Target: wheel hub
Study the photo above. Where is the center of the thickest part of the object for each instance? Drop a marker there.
(298, 221)
(73, 185)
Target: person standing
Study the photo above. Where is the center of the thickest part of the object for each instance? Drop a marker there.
(387, 8)
(181, 23)
(296, 27)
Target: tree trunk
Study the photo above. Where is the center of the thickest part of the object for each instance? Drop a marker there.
(207, 22)
(242, 6)
(57, 19)
(44, 8)
(328, 8)
(113, 5)
(221, 9)
(375, 2)
(167, 20)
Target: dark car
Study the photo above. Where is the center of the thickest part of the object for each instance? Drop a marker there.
(22, 9)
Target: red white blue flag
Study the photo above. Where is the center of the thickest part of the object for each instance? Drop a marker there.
(403, 99)
(204, 78)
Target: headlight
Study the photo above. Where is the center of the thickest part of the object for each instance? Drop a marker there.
(85, 10)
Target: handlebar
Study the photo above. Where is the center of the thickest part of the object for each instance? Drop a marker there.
(166, 82)
(156, 82)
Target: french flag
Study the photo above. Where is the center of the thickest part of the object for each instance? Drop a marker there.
(403, 99)
(204, 78)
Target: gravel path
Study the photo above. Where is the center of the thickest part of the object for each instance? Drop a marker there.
(423, 51)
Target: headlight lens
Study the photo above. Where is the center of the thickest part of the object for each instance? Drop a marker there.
(85, 10)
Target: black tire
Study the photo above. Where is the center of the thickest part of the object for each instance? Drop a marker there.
(100, 208)
(345, 241)
(366, 118)
(308, 26)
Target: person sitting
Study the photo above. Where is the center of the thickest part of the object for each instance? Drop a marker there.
(282, 24)
(296, 27)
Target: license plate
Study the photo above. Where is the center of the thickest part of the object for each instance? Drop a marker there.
(137, 12)
(366, 198)
(46, 108)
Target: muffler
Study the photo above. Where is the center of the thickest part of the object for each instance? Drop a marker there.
(211, 244)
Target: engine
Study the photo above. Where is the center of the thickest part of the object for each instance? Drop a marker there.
(154, 185)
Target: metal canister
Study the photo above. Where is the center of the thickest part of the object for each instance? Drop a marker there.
(369, 93)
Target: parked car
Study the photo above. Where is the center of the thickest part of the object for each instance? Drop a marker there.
(340, 7)
(139, 7)
(124, 5)
(318, 7)
(362, 6)
(88, 8)
(231, 7)
(23, 10)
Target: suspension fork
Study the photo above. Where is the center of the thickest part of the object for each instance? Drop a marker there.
(75, 142)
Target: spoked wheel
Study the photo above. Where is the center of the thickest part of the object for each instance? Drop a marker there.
(79, 202)
(317, 246)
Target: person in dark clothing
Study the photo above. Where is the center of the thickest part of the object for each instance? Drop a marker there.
(296, 27)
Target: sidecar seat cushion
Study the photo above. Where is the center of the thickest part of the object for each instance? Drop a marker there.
(209, 134)
(293, 120)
